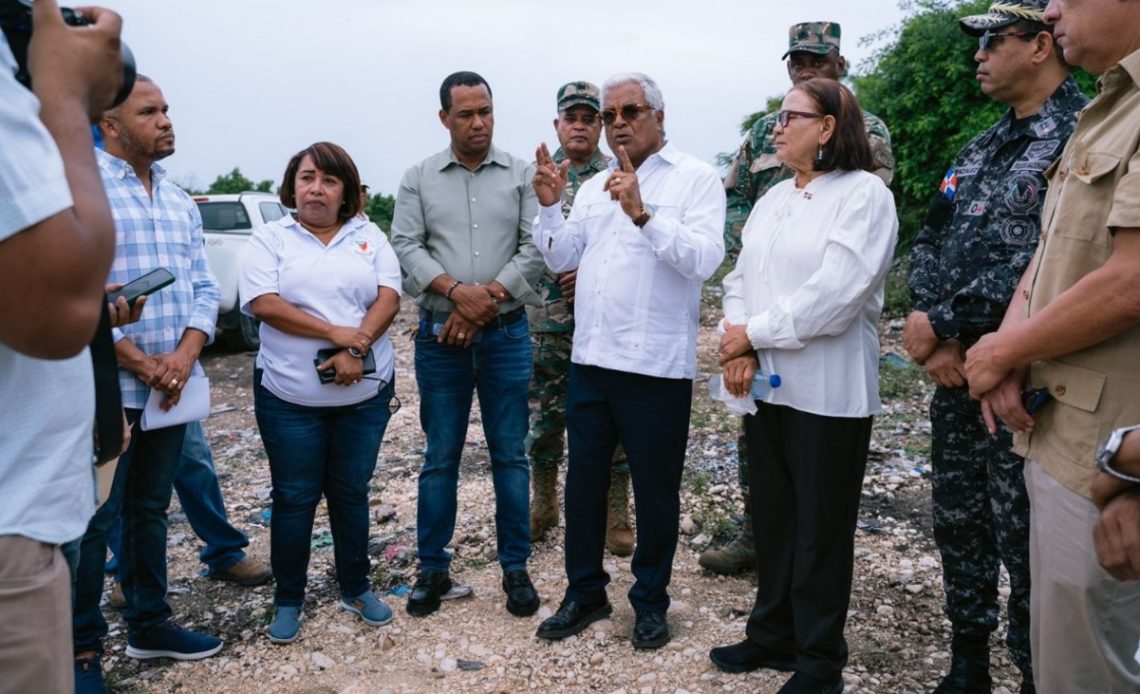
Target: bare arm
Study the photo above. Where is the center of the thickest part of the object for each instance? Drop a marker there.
(52, 274)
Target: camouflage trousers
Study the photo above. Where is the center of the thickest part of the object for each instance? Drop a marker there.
(981, 520)
(546, 440)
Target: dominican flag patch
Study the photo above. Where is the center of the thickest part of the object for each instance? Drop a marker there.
(949, 184)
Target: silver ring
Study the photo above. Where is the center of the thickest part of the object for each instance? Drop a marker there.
(462, 336)
(617, 180)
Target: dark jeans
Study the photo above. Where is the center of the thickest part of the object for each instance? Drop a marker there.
(314, 451)
(806, 477)
(650, 417)
(201, 499)
(498, 366)
(144, 481)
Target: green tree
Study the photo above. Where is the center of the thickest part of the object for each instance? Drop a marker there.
(922, 84)
(380, 209)
(236, 182)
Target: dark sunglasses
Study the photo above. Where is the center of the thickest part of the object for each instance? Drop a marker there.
(986, 40)
(583, 118)
(785, 117)
(628, 112)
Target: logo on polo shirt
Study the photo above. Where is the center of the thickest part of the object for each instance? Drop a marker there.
(361, 246)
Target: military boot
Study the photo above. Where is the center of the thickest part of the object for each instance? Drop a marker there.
(543, 500)
(738, 554)
(619, 534)
(969, 666)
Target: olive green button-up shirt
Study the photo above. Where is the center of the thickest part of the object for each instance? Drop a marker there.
(472, 225)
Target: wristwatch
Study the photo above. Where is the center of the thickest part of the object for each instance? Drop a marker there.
(1107, 451)
(647, 212)
(355, 353)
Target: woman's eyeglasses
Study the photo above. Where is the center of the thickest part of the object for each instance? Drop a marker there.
(785, 117)
(628, 112)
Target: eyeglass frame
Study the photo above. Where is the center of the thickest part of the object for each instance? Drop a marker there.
(985, 40)
(629, 112)
(783, 117)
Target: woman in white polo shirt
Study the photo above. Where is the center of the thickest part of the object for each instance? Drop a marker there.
(321, 279)
(803, 302)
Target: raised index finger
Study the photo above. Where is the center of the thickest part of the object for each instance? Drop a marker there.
(625, 163)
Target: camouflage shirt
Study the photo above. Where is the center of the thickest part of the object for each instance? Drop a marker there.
(555, 316)
(981, 229)
(755, 170)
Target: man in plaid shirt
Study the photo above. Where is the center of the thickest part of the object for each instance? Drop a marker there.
(157, 225)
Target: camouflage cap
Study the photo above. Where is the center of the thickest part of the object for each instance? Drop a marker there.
(813, 37)
(579, 94)
(1002, 14)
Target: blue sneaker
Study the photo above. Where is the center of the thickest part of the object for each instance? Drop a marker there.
(168, 640)
(369, 608)
(286, 626)
(89, 675)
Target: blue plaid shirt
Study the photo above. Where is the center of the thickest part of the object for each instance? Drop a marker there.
(165, 231)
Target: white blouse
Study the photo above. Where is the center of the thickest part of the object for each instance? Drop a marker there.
(809, 286)
(337, 283)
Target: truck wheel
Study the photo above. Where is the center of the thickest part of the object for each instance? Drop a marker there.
(245, 335)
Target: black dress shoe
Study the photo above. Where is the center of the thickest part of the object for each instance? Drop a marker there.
(650, 630)
(522, 598)
(748, 655)
(425, 595)
(803, 683)
(572, 617)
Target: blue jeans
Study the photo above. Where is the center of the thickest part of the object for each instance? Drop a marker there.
(201, 499)
(143, 484)
(498, 366)
(314, 451)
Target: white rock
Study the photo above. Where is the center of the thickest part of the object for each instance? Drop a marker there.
(647, 677)
(597, 659)
(448, 664)
(321, 660)
(287, 670)
(915, 588)
(688, 525)
(885, 610)
(545, 612)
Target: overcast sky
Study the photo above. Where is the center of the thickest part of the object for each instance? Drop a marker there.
(250, 82)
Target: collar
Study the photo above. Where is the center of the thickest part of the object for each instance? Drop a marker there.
(1129, 65)
(668, 154)
(1044, 124)
(495, 156)
(120, 169)
(350, 225)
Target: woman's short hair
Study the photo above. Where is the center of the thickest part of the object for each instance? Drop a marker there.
(332, 160)
(848, 149)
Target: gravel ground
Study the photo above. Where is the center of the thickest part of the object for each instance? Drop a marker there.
(898, 637)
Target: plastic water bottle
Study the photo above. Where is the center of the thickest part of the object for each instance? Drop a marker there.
(762, 384)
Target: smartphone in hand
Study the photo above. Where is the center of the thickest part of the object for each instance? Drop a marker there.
(148, 284)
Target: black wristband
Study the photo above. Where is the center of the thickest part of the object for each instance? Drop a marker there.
(447, 294)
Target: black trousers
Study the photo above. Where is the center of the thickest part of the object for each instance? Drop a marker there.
(650, 417)
(806, 474)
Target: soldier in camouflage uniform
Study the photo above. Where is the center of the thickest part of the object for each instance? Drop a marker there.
(552, 328)
(813, 51)
(978, 237)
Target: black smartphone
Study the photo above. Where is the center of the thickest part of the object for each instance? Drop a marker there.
(149, 283)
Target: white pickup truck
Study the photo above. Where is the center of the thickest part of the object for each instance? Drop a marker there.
(227, 222)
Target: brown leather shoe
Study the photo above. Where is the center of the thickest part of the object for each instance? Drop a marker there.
(247, 572)
(117, 600)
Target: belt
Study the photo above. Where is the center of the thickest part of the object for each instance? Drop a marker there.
(503, 319)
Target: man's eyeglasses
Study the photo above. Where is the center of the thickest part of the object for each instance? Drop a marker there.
(785, 117)
(986, 40)
(628, 112)
(583, 118)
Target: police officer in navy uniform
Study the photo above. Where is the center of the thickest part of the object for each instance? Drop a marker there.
(979, 236)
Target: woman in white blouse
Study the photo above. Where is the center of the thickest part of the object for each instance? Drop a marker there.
(325, 284)
(803, 302)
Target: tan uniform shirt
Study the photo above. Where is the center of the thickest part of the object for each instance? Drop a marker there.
(1093, 190)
